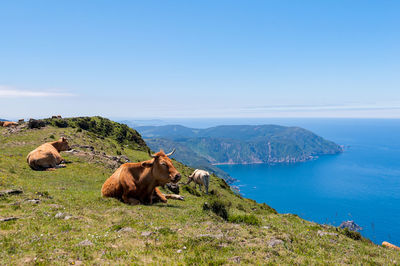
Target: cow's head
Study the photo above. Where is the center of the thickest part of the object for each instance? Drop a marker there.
(162, 168)
(62, 145)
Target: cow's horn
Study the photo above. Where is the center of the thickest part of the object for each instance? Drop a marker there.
(172, 152)
(151, 155)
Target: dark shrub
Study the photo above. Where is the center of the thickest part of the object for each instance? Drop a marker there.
(60, 123)
(33, 123)
(218, 207)
(83, 123)
(352, 234)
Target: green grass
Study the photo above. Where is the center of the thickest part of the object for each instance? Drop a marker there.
(182, 232)
(250, 219)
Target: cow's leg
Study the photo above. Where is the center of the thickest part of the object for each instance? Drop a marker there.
(207, 183)
(63, 162)
(174, 196)
(49, 165)
(158, 195)
(128, 200)
(132, 201)
(128, 189)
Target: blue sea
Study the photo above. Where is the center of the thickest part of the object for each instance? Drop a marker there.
(361, 184)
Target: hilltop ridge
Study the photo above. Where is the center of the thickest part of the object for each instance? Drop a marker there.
(61, 218)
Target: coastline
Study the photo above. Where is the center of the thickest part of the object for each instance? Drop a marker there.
(270, 163)
(283, 161)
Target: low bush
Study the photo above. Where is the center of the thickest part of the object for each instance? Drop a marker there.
(352, 234)
(100, 127)
(60, 123)
(33, 123)
(218, 207)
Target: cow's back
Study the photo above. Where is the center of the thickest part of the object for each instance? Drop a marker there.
(199, 176)
(43, 156)
(9, 124)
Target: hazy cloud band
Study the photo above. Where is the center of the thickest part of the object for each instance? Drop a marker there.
(8, 92)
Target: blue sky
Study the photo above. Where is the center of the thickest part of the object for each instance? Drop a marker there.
(131, 59)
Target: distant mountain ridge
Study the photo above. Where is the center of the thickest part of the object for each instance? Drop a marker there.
(239, 144)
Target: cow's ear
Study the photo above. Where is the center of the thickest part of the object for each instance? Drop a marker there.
(147, 164)
(63, 139)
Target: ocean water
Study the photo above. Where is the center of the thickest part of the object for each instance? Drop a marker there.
(362, 184)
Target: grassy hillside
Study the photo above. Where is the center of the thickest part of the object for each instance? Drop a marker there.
(62, 219)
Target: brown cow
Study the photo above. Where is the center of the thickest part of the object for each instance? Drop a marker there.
(136, 183)
(389, 245)
(47, 156)
(8, 124)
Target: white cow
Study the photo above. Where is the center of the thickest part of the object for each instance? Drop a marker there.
(200, 177)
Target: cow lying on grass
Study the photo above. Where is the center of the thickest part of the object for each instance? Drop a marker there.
(136, 183)
(47, 156)
(8, 124)
(200, 177)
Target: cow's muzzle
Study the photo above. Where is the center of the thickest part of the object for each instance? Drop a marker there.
(176, 178)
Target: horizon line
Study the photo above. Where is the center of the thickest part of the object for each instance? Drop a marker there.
(204, 117)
